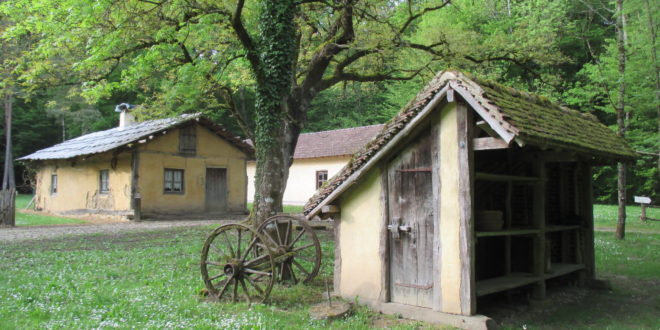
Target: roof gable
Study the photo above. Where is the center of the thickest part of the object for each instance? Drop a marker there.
(103, 141)
(512, 114)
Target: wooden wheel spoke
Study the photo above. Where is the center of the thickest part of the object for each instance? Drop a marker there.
(235, 292)
(238, 252)
(231, 249)
(279, 236)
(214, 263)
(256, 287)
(224, 288)
(252, 262)
(249, 247)
(216, 276)
(258, 272)
(302, 232)
(247, 293)
(293, 274)
(302, 269)
(288, 230)
(303, 247)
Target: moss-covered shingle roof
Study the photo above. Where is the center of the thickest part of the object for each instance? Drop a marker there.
(527, 118)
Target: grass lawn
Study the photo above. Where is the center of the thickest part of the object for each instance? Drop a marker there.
(152, 280)
(24, 218)
(605, 217)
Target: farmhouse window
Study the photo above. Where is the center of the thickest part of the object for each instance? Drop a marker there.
(53, 184)
(188, 140)
(173, 183)
(103, 181)
(321, 178)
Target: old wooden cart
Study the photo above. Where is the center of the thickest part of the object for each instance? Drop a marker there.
(241, 263)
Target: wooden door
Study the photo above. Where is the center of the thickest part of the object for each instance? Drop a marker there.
(216, 189)
(411, 224)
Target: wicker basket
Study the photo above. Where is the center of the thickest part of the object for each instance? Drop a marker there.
(489, 220)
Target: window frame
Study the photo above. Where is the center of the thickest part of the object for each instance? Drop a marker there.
(188, 140)
(54, 183)
(107, 182)
(321, 181)
(173, 181)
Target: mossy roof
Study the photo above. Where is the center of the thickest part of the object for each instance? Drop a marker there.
(529, 118)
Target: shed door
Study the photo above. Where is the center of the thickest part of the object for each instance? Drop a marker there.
(411, 224)
(216, 189)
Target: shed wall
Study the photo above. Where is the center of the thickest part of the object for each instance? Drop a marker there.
(361, 218)
(361, 266)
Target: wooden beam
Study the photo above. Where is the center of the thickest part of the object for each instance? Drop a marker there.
(392, 144)
(539, 252)
(383, 248)
(136, 199)
(489, 143)
(465, 200)
(450, 96)
(330, 209)
(492, 122)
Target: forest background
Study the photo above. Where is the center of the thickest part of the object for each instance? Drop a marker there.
(59, 70)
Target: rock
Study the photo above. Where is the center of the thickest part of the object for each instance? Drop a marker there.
(323, 311)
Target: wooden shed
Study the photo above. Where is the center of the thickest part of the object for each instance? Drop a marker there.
(471, 190)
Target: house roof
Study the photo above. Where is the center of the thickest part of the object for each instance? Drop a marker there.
(333, 143)
(103, 141)
(338, 142)
(515, 115)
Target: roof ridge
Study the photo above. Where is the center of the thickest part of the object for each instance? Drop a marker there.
(342, 129)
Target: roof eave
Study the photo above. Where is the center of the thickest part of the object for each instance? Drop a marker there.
(430, 106)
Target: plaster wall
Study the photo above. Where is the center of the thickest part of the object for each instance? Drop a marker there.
(361, 214)
(212, 152)
(301, 184)
(79, 181)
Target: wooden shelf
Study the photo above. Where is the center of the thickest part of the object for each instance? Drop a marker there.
(562, 269)
(504, 178)
(561, 228)
(503, 283)
(508, 232)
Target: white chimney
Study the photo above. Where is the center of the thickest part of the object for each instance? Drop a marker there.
(125, 117)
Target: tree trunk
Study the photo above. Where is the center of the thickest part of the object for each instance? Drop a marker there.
(654, 58)
(276, 124)
(8, 175)
(7, 205)
(621, 118)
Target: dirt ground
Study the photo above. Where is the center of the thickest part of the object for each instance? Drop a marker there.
(97, 226)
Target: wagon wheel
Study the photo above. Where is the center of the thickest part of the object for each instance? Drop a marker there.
(295, 246)
(236, 265)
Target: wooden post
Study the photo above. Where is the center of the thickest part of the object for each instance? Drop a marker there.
(383, 249)
(539, 257)
(466, 188)
(136, 199)
(587, 229)
(643, 215)
(437, 241)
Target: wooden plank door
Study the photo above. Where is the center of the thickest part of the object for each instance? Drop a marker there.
(411, 224)
(216, 189)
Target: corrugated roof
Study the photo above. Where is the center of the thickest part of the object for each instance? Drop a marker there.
(113, 138)
(527, 117)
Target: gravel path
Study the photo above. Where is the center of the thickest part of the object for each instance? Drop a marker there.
(17, 234)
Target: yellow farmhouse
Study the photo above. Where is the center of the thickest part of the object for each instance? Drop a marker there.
(472, 192)
(318, 156)
(180, 165)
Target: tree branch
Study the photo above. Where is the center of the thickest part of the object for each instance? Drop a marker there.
(244, 38)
